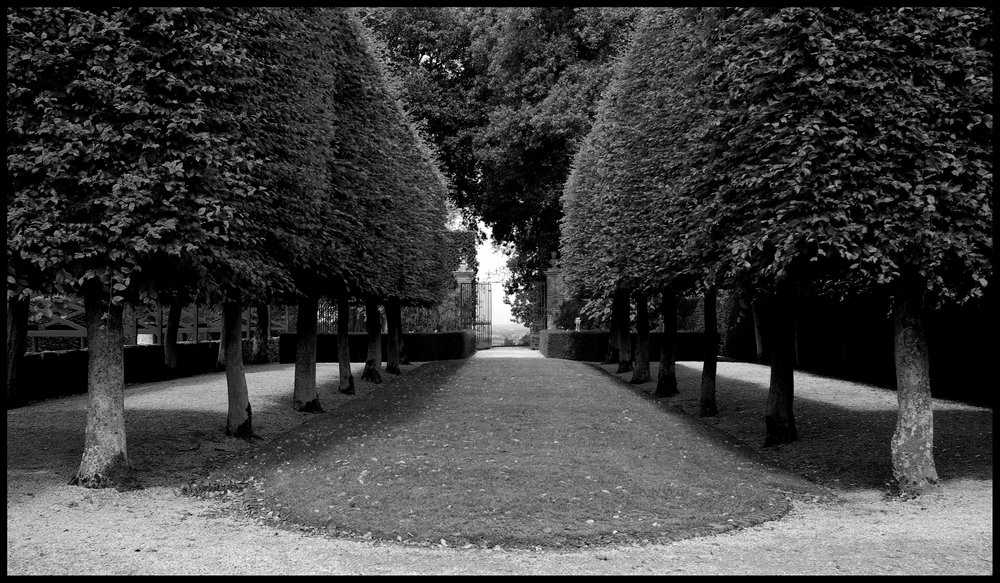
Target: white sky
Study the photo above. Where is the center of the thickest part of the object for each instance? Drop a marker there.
(490, 260)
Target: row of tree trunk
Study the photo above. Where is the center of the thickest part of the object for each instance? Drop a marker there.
(774, 326)
(305, 395)
(105, 460)
(620, 345)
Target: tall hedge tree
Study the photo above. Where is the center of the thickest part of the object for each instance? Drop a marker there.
(856, 152)
(381, 208)
(117, 157)
(634, 209)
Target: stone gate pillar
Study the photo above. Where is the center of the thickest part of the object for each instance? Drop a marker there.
(553, 292)
(463, 274)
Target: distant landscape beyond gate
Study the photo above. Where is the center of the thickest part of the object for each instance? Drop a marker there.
(475, 301)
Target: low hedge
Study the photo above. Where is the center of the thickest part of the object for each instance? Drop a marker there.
(60, 373)
(592, 345)
(417, 347)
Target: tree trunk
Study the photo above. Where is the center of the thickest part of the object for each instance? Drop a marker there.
(343, 345)
(706, 402)
(262, 335)
(763, 355)
(239, 421)
(666, 379)
(170, 336)
(394, 336)
(404, 358)
(640, 374)
(17, 344)
(220, 361)
(611, 356)
(105, 461)
(305, 397)
(779, 331)
(373, 325)
(913, 441)
(620, 311)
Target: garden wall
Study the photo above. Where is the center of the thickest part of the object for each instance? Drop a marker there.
(418, 347)
(59, 373)
(592, 345)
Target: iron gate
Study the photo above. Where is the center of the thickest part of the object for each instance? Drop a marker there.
(475, 302)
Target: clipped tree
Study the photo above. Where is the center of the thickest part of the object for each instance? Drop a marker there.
(633, 208)
(856, 153)
(119, 157)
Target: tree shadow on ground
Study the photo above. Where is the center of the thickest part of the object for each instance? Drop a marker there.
(839, 445)
(170, 442)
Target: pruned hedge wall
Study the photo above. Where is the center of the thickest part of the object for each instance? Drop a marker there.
(417, 347)
(592, 345)
(60, 373)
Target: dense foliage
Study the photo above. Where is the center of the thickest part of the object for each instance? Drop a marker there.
(254, 150)
(837, 151)
(506, 94)
(121, 151)
(633, 208)
(856, 149)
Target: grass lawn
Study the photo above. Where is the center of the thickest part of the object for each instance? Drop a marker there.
(520, 453)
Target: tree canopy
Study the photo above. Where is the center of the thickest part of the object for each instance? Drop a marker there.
(856, 149)
(122, 150)
(829, 149)
(506, 95)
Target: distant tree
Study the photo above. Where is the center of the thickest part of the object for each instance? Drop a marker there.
(505, 95)
(262, 334)
(346, 380)
(373, 326)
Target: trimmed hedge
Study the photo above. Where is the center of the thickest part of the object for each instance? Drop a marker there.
(60, 373)
(592, 345)
(418, 347)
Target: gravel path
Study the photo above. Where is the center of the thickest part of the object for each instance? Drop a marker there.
(175, 437)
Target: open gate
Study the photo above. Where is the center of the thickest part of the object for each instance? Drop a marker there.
(475, 301)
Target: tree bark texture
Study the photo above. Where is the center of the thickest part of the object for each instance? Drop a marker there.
(305, 397)
(105, 461)
(666, 379)
(170, 335)
(612, 355)
(779, 418)
(403, 356)
(913, 440)
(640, 373)
(220, 361)
(707, 406)
(394, 336)
(373, 325)
(239, 422)
(620, 311)
(17, 343)
(343, 346)
(261, 335)
(763, 355)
